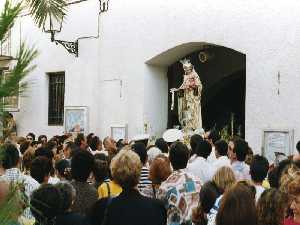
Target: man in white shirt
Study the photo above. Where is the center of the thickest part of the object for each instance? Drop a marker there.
(238, 153)
(13, 174)
(221, 149)
(199, 166)
(258, 170)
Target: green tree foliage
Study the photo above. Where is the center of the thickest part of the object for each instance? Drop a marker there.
(14, 83)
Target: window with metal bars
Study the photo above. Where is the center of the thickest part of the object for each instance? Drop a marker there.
(56, 98)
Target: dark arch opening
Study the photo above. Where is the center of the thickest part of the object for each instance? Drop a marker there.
(223, 76)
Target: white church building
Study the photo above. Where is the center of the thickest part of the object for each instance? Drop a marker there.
(127, 57)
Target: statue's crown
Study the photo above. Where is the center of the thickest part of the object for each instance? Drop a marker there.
(186, 63)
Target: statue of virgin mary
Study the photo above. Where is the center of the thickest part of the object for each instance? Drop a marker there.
(189, 98)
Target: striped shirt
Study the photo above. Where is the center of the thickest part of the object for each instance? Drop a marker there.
(145, 183)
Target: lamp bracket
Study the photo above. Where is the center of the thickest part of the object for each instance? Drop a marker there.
(71, 47)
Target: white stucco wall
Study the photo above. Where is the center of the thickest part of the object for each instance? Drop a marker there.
(134, 31)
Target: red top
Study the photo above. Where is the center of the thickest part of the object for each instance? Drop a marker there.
(290, 221)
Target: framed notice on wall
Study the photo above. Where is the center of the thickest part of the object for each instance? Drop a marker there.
(277, 141)
(76, 119)
(119, 132)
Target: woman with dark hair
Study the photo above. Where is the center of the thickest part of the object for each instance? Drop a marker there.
(237, 207)
(208, 196)
(63, 170)
(162, 145)
(43, 139)
(195, 139)
(45, 204)
(160, 170)
(95, 145)
(66, 216)
(271, 207)
(101, 172)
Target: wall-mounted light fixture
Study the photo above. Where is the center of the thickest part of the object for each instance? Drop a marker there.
(53, 26)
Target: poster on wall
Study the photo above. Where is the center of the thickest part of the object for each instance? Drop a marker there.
(76, 119)
(277, 142)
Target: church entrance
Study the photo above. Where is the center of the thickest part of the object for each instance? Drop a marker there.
(223, 75)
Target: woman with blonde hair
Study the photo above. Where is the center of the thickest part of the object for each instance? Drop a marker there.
(130, 207)
(224, 179)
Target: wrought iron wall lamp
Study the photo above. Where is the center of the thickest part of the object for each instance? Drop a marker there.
(53, 26)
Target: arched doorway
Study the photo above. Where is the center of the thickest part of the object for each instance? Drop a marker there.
(223, 74)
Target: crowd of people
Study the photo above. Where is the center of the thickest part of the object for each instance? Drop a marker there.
(209, 181)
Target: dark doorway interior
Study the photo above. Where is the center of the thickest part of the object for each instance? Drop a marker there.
(223, 77)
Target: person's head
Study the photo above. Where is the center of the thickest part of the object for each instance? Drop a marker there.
(11, 157)
(52, 146)
(45, 204)
(162, 145)
(271, 207)
(287, 175)
(68, 195)
(224, 179)
(69, 148)
(24, 146)
(294, 194)
(230, 152)
(82, 165)
(240, 149)
(126, 169)
(40, 169)
(160, 169)
(203, 149)
(179, 155)
(12, 135)
(101, 170)
(101, 156)
(152, 153)
(208, 195)
(80, 141)
(237, 207)
(63, 169)
(195, 139)
(140, 149)
(27, 160)
(42, 151)
(42, 139)
(30, 137)
(259, 168)
(213, 137)
(221, 148)
(121, 143)
(109, 143)
(95, 143)
(89, 138)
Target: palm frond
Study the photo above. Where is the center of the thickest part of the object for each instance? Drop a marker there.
(7, 18)
(43, 9)
(12, 86)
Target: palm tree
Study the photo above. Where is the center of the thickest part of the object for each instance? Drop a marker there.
(40, 10)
